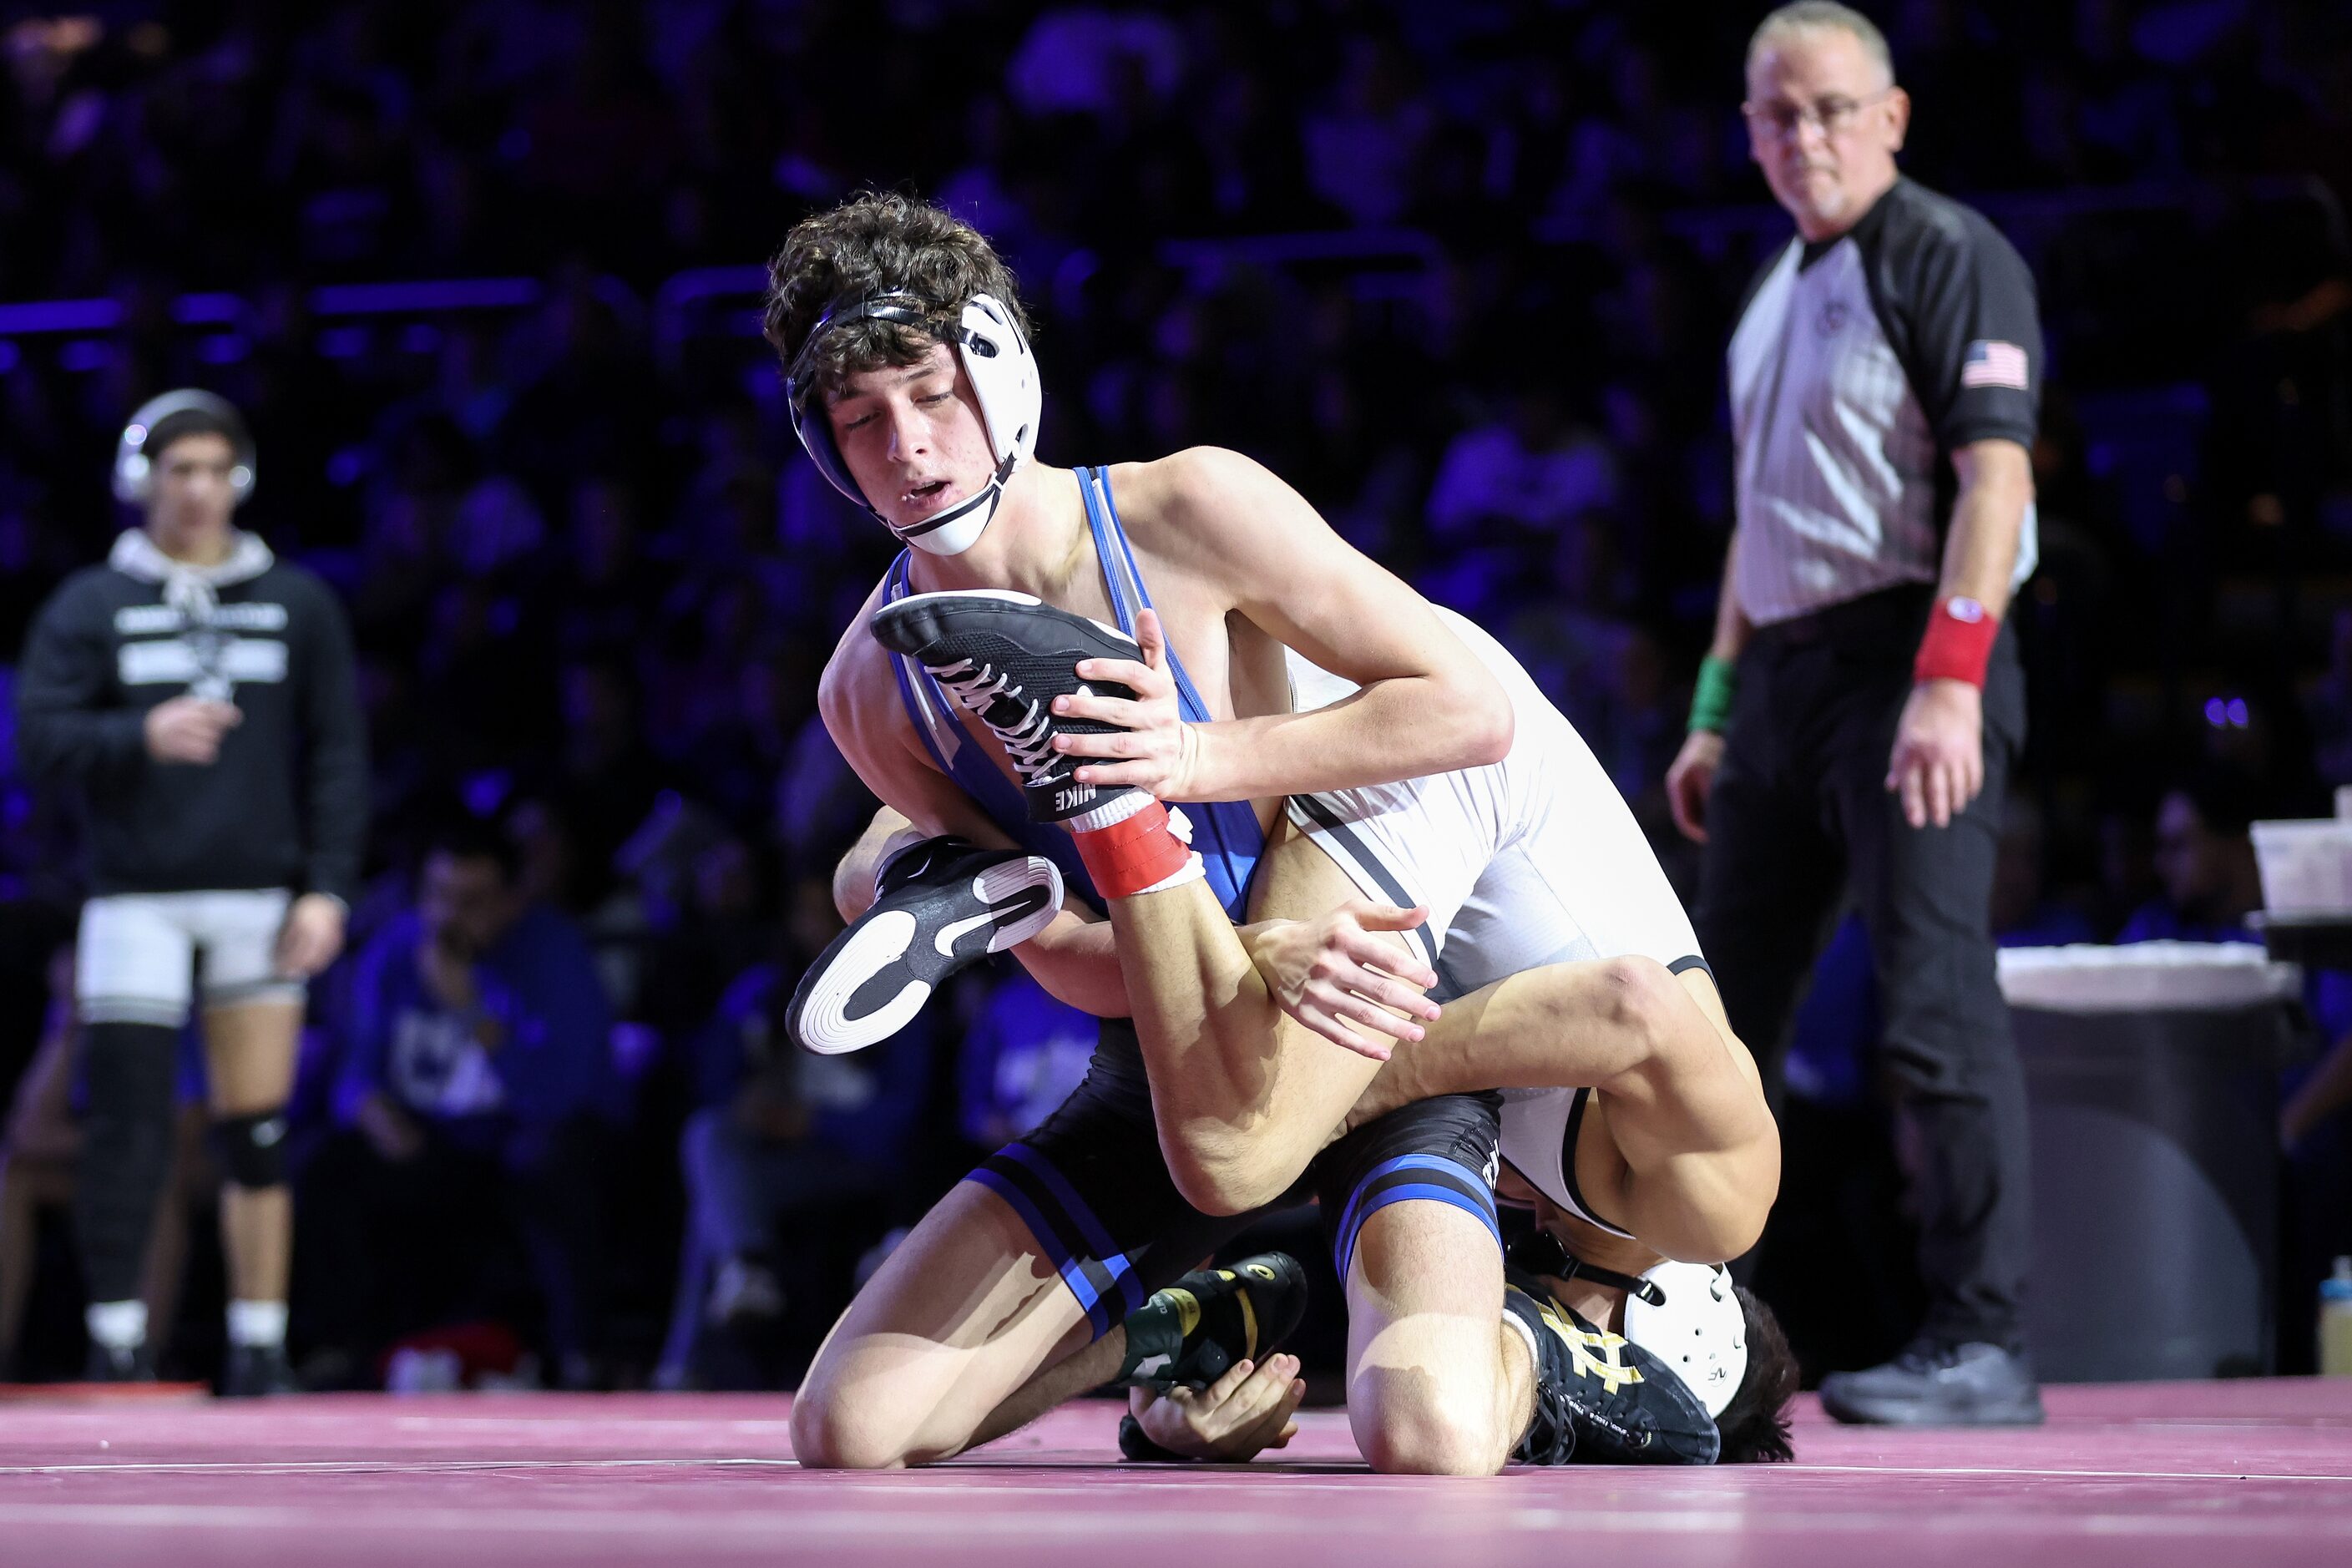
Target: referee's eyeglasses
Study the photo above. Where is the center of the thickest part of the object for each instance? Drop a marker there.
(1831, 116)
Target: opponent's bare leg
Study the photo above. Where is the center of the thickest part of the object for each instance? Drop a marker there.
(1243, 1096)
(965, 1314)
(1436, 1383)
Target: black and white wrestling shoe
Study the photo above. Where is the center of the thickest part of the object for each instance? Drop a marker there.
(1005, 656)
(940, 904)
(1601, 1398)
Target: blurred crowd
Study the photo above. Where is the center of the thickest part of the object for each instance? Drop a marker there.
(1462, 274)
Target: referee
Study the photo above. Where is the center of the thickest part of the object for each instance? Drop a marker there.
(198, 695)
(1861, 708)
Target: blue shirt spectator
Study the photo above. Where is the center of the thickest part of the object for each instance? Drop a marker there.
(471, 1016)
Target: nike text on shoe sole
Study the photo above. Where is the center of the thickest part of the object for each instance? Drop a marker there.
(873, 978)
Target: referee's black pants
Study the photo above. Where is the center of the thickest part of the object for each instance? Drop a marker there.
(1799, 813)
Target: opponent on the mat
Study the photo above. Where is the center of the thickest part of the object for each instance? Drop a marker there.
(199, 696)
(883, 287)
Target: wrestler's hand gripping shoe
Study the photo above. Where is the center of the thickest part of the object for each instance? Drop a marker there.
(1003, 657)
(1191, 1333)
(1601, 1398)
(940, 905)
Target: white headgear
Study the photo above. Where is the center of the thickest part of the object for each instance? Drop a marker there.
(134, 476)
(1004, 380)
(1691, 1319)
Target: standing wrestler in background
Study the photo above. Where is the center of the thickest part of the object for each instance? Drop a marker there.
(198, 695)
(1884, 376)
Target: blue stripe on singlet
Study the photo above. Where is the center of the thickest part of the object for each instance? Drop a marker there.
(1225, 832)
(935, 717)
(1444, 1181)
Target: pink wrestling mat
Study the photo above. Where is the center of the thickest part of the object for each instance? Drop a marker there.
(2193, 1473)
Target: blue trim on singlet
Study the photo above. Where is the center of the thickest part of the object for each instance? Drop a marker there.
(1218, 826)
(970, 767)
(1225, 832)
(1468, 1191)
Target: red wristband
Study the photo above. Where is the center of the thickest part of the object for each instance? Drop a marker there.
(1959, 639)
(1128, 857)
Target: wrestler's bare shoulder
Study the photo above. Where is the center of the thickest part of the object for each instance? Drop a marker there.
(1201, 490)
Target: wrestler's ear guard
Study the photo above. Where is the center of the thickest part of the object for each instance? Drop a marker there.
(995, 357)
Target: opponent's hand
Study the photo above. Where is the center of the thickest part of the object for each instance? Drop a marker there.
(1235, 1418)
(189, 729)
(1160, 751)
(1336, 977)
(311, 936)
(1687, 781)
(1937, 766)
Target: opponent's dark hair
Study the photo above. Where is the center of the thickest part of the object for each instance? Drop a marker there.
(187, 422)
(1755, 1425)
(880, 243)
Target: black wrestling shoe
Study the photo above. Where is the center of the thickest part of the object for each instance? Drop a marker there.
(1191, 1333)
(256, 1371)
(1601, 1398)
(942, 903)
(1005, 657)
(1938, 1386)
(135, 1364)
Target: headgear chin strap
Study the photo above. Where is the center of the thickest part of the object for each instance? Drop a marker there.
(1004, 380)
(135, 466)
(1686, 1315)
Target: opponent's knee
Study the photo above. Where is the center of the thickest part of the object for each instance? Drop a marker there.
(251, 1148)
(826, 1436)
(1419, 1437)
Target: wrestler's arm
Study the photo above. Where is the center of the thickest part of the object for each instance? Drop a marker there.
(858, 698)
(1427, 705)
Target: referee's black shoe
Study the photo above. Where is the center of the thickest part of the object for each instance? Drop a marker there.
(254, 1370)
(1931, 1384)
(1191, 1333)
(941, 904)
(1601, 1398)
(1005, 656)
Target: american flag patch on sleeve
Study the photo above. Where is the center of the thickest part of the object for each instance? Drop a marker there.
(1994, 363)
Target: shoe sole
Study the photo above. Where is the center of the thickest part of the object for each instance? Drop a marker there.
(872, 979)
(919, 619)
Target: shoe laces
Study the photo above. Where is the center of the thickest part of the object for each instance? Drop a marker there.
(977, 688)
(1551, 1436)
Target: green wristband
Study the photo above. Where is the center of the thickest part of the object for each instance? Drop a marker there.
(1711, 700)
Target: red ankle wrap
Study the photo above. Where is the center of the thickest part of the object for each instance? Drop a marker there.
(1128, 857)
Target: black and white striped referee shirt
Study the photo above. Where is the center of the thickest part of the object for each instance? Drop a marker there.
(1857, 365)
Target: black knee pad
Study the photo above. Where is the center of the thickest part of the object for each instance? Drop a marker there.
(251, 1148)
(129, 1074)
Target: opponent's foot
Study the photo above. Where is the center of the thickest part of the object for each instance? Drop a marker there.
(1938, 1386)
(1599, 1396)
(1194, 1331)
(254, 1371)
(1005, 656)
(944, 903)
(129, 1363)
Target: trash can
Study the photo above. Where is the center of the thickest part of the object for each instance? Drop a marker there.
(2151, 1078)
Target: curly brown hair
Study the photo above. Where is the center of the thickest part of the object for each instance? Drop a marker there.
(879, 243)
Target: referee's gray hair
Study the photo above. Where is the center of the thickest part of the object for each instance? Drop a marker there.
(1811, 16)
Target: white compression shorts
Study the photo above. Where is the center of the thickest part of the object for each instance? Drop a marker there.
(139, 955)
(1533, 860)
